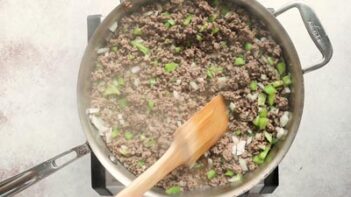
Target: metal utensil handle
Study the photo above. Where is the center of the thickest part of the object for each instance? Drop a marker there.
(316, 31)
(25, 179)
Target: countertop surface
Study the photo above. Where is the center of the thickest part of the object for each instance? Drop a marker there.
(41, 45)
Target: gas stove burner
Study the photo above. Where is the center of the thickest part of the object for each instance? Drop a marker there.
(106, 185)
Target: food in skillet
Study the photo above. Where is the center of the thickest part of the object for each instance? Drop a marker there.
(167, 60)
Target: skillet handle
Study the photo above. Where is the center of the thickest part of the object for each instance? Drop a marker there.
(315, 30)
(18, 183)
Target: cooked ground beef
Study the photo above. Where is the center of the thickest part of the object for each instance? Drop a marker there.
(168, 59)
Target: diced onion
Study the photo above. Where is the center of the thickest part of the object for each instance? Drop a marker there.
(136, 82)
(179, 123)
(149, 13)
(274, 110)
(92, 110)
(135, 69)
(168, 120)
(286, 90)
(210, 162)
(234, 149)
(284, 119)
(261, 146)
(121, 119)
(176, 94)
(281, 132)
(252, 97)
(113, 27)
(122, 122)
(179, 81)
(264, 77)
(260, 85)
(222, 81)
(102, 50)
(232, 106)
(194, 85)
(108, 136)
(99, 124)
(243, 164)
(235, 140)
(236, 178)
(240, 147)
(263, 60)
(124, 150)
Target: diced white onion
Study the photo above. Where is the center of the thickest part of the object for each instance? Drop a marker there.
(264, 77)
(286, 90)
(135, 69)
(235, 178)
(234, 149)
(274, 110)
(136, 82)
(235, 140)
(108, 136)
(149, 13)
(281, 132)
(261, 146)
(232, 106)
(179, 123)
(194, 85)
(176, 94)
(243, 164)
(210, 162)
(99, 124)
(92, 110)
(252, 97)
(124, 150)
(179, 81)
(113, 27)
(260, 85)
(284, 119)
(121, 119)
(258, 136)
(222, 81)
(102, 50)
(182, 183)
(263, 59)
(240, 147)
(122, 122)
(168, 120)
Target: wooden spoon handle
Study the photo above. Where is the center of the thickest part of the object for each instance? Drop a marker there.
(168, 162)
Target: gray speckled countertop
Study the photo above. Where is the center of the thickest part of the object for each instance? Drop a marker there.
(41, 44)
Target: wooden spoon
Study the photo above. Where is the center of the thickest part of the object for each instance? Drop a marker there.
(191, 140)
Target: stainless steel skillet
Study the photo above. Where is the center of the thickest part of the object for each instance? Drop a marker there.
(94, 143)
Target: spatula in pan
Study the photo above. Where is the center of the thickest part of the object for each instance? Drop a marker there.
(191, 140)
